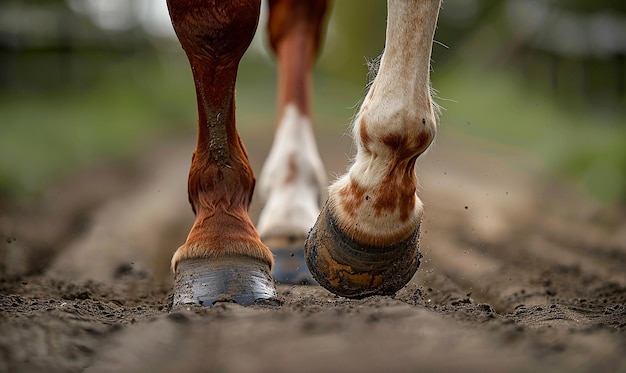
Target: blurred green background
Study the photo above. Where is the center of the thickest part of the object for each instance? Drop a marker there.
(86, 80)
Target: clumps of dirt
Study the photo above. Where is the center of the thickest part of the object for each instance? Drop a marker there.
(59, 326)
(107, 304)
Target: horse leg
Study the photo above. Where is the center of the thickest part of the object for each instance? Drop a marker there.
(293, 175)
(223, 257)
(366, 240)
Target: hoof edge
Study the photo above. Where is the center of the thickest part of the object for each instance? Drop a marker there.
(242, 280)
(355, 270)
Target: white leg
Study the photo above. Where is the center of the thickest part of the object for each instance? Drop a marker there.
(374, 207)
(291, 180)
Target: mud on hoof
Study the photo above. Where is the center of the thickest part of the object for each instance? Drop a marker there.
(242, 280)
(354, 270)
(289, 265)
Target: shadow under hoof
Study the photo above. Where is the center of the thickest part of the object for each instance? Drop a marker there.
(355, 270)
(242, 280)
(290, 267)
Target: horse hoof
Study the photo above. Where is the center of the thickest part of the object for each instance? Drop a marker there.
(241, 280)
(289, 265)
(354, 270)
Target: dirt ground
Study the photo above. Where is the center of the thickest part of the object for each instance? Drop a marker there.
(519, 274)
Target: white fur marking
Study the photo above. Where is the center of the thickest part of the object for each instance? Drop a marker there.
(397, 104)
(292, 179)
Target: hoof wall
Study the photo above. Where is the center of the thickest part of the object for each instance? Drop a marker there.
(242, 280)
(290, 268)
(289, 265)
(354, 270)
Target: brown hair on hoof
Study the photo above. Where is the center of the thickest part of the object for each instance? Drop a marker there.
(241, 280)
(355, 270)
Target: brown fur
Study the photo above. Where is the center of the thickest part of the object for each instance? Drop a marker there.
(293, 169)
(397, 190)
(295, 30)
(364, 134)
(351, 198)
(214, 35)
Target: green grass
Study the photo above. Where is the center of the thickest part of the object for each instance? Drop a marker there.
(45, 135)
(572, 139)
